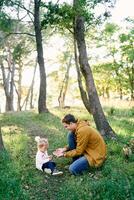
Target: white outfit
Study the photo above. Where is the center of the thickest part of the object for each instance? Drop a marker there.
(41, 158)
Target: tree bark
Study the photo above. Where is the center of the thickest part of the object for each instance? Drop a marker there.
(19, 87)
(63, 91)
(42, 91)
(30, 91)
(10, 92)
(130, 72)
(95, 106)
(83, 93)
(32, 87)
(1, 141)
(8, 82)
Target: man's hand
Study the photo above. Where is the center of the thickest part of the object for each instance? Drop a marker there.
(59, 152)
(61, 149)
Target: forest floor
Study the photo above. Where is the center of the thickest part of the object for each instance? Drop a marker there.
(20, 180)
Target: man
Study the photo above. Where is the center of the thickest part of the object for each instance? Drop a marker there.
(85, 145)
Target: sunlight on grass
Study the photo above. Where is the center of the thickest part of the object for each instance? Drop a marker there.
(113, 181)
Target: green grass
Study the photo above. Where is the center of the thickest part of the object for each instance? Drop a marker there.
(20, 180)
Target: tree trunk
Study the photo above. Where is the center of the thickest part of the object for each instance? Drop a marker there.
(1, 141)
(107, 92)
(120, 92)
(103, 92)
(131, 78)
(63, 91)
(11, 67)
(82, 91)
(95, 106)
(32, 87)
(8, 85)
(31, 90)
(38, 35)
(19, 86)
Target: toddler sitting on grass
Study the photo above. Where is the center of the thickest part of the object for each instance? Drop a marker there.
(43, 160)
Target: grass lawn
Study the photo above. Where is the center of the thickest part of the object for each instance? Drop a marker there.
(19, 179)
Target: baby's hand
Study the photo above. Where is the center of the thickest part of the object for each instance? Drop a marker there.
(58, 152)
(50, 157)
(61, 154)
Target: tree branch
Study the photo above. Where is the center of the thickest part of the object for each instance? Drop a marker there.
(23, 7)
(20, 34)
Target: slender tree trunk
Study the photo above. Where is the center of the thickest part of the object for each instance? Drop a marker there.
(82, 91)
(95, 106)
(42, 91)
(132, 92)
(60, 96)
(32, 87)
(8, 85)
(31, 90)
(63, 91)
(119, 81)
(107, 92)
(131, 81)
(11, 67)
(1, 141)
(121, 94)
(19, 86)
(103, 92)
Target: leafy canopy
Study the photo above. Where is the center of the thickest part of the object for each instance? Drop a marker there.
(63, 14)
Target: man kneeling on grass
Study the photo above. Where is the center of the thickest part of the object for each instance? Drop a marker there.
(85, 145)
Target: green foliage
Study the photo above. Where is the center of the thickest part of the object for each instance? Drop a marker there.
(127, 45)
(120, 51)
(111, 111)
(5, 22)
(63, 15)
(110, 28)
(10, 179)
(132, 111)
(56, 14)
(103, 75)
(19, 51)
(1, 3)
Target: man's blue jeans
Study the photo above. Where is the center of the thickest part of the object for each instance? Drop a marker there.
(80, 163)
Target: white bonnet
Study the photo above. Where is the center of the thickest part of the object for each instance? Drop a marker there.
(37, 139)
(41, 140)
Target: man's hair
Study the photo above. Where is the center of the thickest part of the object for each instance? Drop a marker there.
(68, 119)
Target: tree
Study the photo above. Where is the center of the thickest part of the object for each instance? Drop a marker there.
(61, 17)
(95, 106)
(79, 77)
(110, 40)
(37, 27)
(127, 55)
(63, 90)
(34, 18)
(104, 78)
(120, 51)
(72, 18)
(6, 61)
(8, 79)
